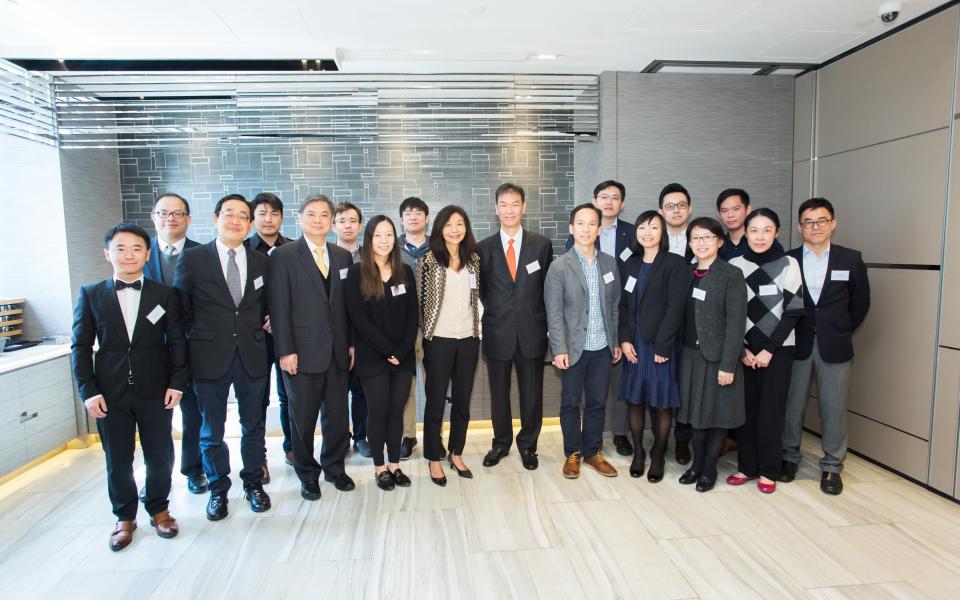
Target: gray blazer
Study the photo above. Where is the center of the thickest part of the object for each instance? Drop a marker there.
(566, 297)
(722, 315)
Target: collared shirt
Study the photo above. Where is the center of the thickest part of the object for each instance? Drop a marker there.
(129, 300)
(241, 258)
(415, 251)
(596, 329)
(325, 257)
(608, 240)
(678, 242)
(815, 271)
(517, 240)
(354, 254)
(176, 246)
(260, 245)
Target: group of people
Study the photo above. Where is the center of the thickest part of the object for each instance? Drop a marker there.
(719, 331)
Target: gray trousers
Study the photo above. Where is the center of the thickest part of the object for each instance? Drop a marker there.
(833, 382)
(616, 408)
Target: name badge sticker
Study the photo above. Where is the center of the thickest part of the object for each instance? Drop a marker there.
(473, 280)
(839, 275)
(533, 267)
(625, 254)
(699, 294)
(258, 283)
(608, 277)
(343, 273)
(399, 290)
(770, 289)
(631, 283)
(155, 314)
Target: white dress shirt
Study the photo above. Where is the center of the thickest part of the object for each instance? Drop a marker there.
(325, 256)
(517, 240)
(129, 299)
(608, 240)
(241, 259)
(678, 242)
(815, 271)
(177, 247)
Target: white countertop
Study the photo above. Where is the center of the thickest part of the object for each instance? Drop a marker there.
(11, 361)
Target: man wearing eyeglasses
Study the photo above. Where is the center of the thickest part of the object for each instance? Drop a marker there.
(836, 298)
(676, 209)
(223, 290)
(171, 218)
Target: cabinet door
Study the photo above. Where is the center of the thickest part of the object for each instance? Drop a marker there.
(13, 450)
(47, 393)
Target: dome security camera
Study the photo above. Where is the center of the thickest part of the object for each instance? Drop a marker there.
(889, 11)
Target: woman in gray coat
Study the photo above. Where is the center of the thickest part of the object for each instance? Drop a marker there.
(711, 376)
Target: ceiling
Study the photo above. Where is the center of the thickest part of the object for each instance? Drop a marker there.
(453, 36)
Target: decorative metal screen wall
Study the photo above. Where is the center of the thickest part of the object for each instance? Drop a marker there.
(26, 105)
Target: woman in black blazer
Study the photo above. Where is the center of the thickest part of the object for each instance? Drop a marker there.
(382, 304)
(651, 313)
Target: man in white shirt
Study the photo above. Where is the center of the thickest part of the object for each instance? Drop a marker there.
(676, 209)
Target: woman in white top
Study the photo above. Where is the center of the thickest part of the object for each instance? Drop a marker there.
(449, 275)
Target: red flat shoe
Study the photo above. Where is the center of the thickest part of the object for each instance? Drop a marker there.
(737, 480)
(767, 488)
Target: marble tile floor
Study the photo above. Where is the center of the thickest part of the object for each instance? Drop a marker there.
(507, 533)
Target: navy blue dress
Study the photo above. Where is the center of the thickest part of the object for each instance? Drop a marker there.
(649, 382)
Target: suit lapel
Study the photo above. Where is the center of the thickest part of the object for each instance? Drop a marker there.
(334, 272)
(831, 265)
(657, 263)
(578, 270)
(310, 266)
(526, 254)
(148, 300)
(213, 259)
(114, 314)
(252, 274)
(153, 265)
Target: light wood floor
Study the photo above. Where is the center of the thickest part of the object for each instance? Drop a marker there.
(508, 533)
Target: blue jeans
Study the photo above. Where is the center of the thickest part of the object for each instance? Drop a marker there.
(587, 378)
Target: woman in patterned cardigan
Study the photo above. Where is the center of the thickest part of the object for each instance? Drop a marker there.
(449, 275)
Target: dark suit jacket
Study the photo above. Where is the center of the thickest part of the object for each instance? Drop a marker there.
(215, 326)
(721, 317)
(156, 356)
(513, 311)
(662, 302)
(152, 269)
(842, 307)
(306, 321)
(626, 233)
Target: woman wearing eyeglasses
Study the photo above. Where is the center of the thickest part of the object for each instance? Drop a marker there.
(711, 377)
(775, 303)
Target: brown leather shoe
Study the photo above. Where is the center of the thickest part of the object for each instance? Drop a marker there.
(289, 458)
(122, 535)
(728, 446)
(165, 524)
(599, 464)
(266, 473)
(571, 466)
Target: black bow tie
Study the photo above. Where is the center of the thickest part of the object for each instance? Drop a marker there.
(122, 285)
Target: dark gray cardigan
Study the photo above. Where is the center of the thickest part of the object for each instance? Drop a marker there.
(721, 316)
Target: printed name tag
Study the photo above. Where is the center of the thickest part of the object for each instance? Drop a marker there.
(769, 290)
(155, 314)
(625, 254)
(258, 283)
(840, 275)
(699, 294)
(343, 273)
(533, 267)
(608, 277)
(473, 280)
(399, 289)
(631, 283)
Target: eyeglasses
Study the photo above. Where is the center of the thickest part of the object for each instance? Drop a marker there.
(231, 216)
(809, 223)
(702, 238)
(676, 205)
(615, 197)
(347, 222)
(176, 214)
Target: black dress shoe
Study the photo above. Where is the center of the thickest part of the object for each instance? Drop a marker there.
(788, 471)
(441, 481)
(623, 445)
(363, 447)
(638, 464)
(197, 484)
(341, 481)
(689, 476)
(682, 453)
(217, 506)
(529, 460)
(705, 484)
(831, 483)
(407, 445)
(310, 490)
(385, 481)
(258, 499)
(655, 472)
(466, 474)
(493, 457)
(400, 478)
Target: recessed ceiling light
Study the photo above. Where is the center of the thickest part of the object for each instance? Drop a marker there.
(476, 11)
(545, 56)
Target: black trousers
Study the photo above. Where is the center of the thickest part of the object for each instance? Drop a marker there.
(358, 408)
(191, 460)
(760, 439)
(386, 395)
(281, 394)
(126, 415)
(452, 362)
(322, 395)
(530, 388)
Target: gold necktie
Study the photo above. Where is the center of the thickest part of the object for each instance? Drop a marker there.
(318, 253)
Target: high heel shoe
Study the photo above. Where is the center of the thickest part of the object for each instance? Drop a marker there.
(441, 481)
(466, 474)
(637, 466)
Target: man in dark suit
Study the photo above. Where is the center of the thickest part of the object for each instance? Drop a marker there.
(267, 221)
(309, 320)
(136, 380)
(615, 239)
(171, 218)
(223, 288)
(514, 262)
(836, 298)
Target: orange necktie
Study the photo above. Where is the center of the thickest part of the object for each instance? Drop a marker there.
(511, 260)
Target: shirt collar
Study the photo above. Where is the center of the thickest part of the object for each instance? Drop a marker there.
(140, 279)
(222, 248)
(808, 252)
(584, 258)
(517, 237)
(613, 227)
(178, 245)
(313, 246)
